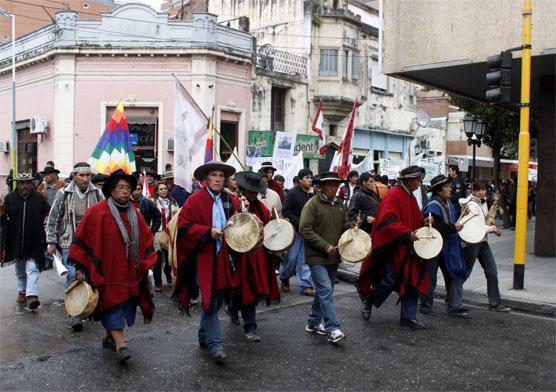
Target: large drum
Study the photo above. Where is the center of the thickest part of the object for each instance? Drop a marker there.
(244, 232)
(354, 245)
(279, 235)
(474, 227)
(429, 244)
(80, 299)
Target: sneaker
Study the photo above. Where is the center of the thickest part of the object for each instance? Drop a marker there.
(500, 308)
(308, 291)
(33, 303)
(123, 354)
(21, 299)
(413, 324)
(366, 311)
(335, 336)
(252, 337)
(461, 312)
(219, 356)
(108, 342)
(318, 329)
(285, 287)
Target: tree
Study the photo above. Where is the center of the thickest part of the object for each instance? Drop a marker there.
(502, 129)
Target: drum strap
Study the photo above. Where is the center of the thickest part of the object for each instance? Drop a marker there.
(445, 214)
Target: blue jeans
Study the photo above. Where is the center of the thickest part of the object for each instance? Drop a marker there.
(248, 313)
(454, 287)
(380, 293)
(70, 277)
(27, 275)
(482, 251)
(210, 332)
(294, 261)
(324, 277)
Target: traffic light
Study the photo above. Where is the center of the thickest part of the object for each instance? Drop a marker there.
(499, 78)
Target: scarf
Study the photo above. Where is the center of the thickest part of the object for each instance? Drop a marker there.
(218, 216)
(132, 243)
(165, 209)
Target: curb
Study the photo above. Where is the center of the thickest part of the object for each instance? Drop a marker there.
(474, 298)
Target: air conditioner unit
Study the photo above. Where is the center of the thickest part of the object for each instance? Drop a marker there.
(39, 124)
(170, 144)
(4, 146)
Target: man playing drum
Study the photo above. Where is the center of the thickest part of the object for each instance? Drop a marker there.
(476, 203)
(113, 249)
(450, 260)
(203, 257)
(392, 264)
(255, 269)
(323, 220)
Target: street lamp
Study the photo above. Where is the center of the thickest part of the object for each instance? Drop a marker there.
(474, 128)
(14, 132)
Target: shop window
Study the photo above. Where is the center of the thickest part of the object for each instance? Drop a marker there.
(328, 62)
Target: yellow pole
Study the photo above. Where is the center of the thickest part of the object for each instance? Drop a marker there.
(524, 142)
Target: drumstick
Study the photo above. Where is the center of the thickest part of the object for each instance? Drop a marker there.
(463, 222)
(343, 243)
(276, 213)
(430, 222)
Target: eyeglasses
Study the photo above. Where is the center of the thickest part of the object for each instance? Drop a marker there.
(123, 187)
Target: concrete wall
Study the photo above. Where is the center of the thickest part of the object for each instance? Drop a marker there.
(439, 32)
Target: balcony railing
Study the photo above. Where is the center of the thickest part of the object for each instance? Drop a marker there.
(279, 61)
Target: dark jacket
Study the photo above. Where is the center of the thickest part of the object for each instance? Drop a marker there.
(365, 202)
(150, 213)
(179, 194)
(295, 200)
(458, 192)
(23, 234)
(321, 224)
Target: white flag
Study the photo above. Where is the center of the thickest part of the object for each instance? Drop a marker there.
(233, 161)
(190, 130)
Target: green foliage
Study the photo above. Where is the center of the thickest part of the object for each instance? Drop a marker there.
(502, 126)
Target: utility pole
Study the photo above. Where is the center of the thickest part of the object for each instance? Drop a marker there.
(524, 143)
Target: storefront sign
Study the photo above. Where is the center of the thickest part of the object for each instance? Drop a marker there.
(264, 140)
(308, 145)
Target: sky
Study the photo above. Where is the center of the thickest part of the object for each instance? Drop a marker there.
(153, 3)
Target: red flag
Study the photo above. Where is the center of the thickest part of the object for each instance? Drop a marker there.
(345, 148)
(318, 123)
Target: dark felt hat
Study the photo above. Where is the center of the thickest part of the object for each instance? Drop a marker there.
(438, 182)
(251, 181)
(265, 166)
(50, 169)
(202, 171)
(329, 177)
(99, 177)
(113, 179)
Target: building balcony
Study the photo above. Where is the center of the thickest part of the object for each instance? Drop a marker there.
(270, 59)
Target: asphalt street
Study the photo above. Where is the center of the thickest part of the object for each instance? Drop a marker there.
(488, 351)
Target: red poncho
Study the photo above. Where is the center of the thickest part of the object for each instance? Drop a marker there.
(196, 250)
(257, 270)
(99, 249)
(398, 215)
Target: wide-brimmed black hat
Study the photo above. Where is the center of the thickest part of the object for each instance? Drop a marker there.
(113, 179)
(202, 171)
(23, 177)
(329, 177)
(437, 182)
(251, 181)
(412, 172)
(50, 169)
(99, 177)
(267, 165)
(152, 173)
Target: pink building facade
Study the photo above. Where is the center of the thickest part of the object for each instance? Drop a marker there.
(72, 79)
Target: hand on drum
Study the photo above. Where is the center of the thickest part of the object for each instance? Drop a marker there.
(79, 276)
(331, 250)
(357, 222)
(429, 220)
(244, 202)
(370, 220)
(215, 233)
(413, 236)
(458, 226)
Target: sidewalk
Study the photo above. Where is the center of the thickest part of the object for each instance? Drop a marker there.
(538, 295)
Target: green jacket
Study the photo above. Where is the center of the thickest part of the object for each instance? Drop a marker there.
(321, 224)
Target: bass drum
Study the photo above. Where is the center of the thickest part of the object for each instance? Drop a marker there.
(429, 244)
(279, 235)
(474, 228)
(80, 300)
(354, 245)
(244, 233)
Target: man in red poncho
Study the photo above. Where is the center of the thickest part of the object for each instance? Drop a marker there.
(256, 270)
(113, 250)
(203, 259)
(392, 264)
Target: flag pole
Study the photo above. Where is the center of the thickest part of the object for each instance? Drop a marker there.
(213, 127)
